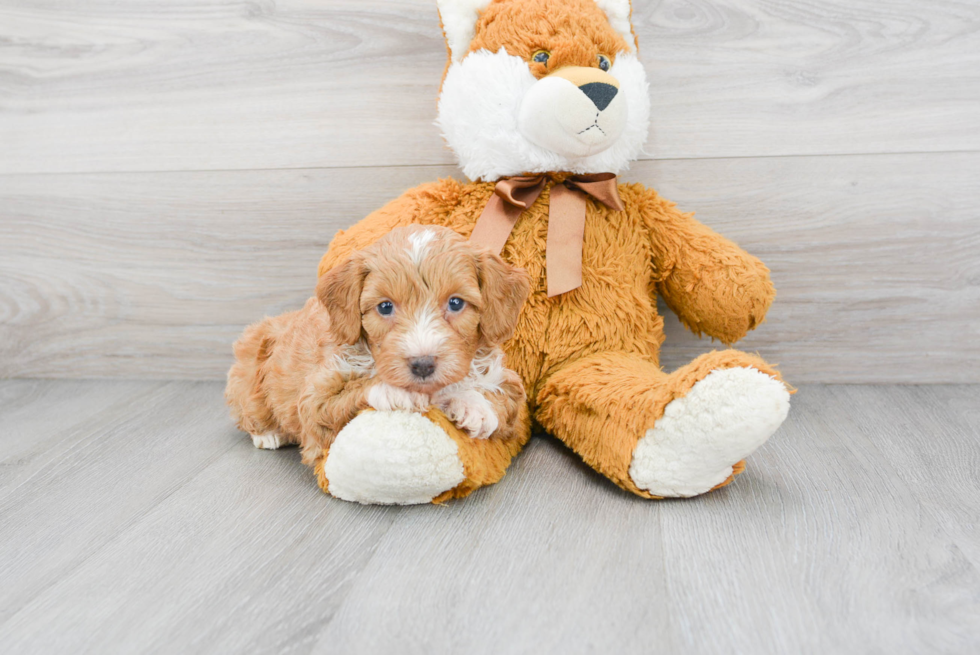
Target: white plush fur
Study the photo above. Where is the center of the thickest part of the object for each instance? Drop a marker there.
(392, 458)
(459, 22)
(618, 13)
(480, 106)
(721, 420)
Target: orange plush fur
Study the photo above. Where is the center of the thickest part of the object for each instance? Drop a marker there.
(589, 358)
(301, 377)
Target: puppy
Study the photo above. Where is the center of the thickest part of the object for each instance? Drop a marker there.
(414, 320)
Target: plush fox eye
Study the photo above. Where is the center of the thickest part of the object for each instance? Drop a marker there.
(386, 308)
(456, 304)
(541, 56)
(604, 62)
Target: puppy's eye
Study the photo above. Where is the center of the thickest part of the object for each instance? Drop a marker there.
(456, 304)
(386, 308)
(541, 57)
(604, 63)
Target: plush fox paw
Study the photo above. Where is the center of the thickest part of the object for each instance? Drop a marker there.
(722, 419)
(392, 458)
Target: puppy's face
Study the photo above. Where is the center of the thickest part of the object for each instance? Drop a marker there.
(426, 301)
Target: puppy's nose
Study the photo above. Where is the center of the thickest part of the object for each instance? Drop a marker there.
(600, 93)
(422, 367)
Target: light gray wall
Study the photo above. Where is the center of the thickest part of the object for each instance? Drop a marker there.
(170, 172)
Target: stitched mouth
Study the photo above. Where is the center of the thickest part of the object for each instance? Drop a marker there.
(595, 125)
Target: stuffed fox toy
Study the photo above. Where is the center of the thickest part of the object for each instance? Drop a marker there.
(544, 102)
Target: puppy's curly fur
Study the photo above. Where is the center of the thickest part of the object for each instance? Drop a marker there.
(414, 320)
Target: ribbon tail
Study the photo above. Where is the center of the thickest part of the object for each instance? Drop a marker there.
(495, 224)
(566, 230)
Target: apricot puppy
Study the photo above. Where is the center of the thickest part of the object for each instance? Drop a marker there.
(414, 320)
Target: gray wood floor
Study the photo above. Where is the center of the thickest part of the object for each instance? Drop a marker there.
(134, 518)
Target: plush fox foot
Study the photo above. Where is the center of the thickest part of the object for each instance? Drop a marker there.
(405, 458)
(660, 435)
(692, 448)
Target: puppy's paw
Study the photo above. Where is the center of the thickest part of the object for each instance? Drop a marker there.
(385, 398)
(270, 441)
(471, 412)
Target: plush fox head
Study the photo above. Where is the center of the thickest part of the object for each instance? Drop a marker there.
(534, 86)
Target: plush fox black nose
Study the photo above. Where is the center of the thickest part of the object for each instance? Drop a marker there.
(600, 93)
(422, 367)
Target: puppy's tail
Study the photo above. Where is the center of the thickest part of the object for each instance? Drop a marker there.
(245, 391)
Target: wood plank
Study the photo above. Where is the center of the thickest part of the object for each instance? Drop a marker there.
(823, 545)
(248, 555)
(822, 548)
(932, 444)
(39, 421)
(876, 261)
(103, 475)
(553, 559)
(154, 275)
(139, 85)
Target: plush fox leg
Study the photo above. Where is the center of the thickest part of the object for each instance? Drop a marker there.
(401, 458)
(660, 435)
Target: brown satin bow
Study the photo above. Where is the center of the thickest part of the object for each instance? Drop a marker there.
(566, 220)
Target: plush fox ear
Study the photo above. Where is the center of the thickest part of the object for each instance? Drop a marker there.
(618, 13)
(459, 23)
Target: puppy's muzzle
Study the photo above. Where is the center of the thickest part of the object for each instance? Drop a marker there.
(422, 367)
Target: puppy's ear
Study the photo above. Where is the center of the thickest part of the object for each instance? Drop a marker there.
(339, 289)
(504, 289)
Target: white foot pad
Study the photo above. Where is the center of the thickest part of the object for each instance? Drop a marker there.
(392, 458)
(721, 420)
(270, 441)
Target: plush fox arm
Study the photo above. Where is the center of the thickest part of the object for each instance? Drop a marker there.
(424, 204)
(713, 286)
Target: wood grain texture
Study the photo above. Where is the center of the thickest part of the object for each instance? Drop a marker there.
(141, 85)
(154, 275)
(853, 530)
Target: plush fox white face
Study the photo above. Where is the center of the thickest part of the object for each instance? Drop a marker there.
(535, 86)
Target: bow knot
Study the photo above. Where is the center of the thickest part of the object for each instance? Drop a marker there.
(566, 219)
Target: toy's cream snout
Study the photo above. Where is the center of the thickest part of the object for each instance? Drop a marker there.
(597, 85)
(576, 111)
